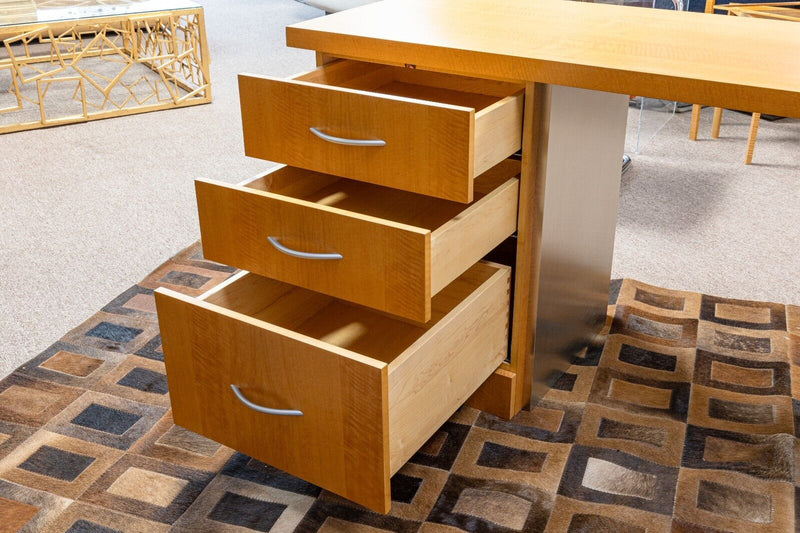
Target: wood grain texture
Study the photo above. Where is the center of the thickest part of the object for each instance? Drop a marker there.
(428, 124)
(716, 120)
(372, 389)
(340, 443)
(529, 241)
(751, 138)
(735, 62)
(384, 265)
(277, 115)
(501, 394)
(476, 230)
(496, 394)
(694, 125)
(398, 248)
(464, 348)
(498, 131)
(787, 11)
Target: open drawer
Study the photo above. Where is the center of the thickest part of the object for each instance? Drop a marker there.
(331, 392)
(419, 131)
(383, 248)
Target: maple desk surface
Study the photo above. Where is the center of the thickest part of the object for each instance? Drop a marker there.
(734, 62)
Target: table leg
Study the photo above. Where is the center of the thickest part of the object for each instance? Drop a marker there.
(695, 123)
(574, 145)
(715, 122)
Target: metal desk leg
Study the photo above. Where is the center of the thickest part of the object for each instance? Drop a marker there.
(574, 151)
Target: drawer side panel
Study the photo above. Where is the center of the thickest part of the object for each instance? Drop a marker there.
(498, 132)
(444, 369)
(461, 242)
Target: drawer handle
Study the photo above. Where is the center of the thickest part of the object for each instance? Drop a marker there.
(302, 255)
(266, 410)
(348, 142)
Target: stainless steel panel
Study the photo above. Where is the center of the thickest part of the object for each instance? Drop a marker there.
(580, 154)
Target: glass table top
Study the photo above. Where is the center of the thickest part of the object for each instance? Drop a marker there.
(15, 12)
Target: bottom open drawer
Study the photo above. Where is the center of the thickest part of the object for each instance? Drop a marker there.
(331, 392)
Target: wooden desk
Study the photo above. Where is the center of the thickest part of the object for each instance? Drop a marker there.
(578, 61)
(367, 317)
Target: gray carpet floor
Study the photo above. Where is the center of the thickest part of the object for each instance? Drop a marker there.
(693, 217)
(89, 209)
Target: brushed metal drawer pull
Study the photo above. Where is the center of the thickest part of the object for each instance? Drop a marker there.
(302, 255)
(348, 142)
(266, 410)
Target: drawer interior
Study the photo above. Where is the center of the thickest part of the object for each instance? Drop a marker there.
(377, 201)
(338, 323)
(463, 91)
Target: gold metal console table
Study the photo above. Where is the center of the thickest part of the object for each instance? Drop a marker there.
(67, 61)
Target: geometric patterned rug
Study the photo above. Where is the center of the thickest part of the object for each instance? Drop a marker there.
(685, 419)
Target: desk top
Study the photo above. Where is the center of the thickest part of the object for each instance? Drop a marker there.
(734, 62)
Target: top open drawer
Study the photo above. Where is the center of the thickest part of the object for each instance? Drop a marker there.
(419, 131)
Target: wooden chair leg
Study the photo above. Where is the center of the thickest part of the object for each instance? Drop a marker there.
(751, 138)
(695, 124)
(715, 122)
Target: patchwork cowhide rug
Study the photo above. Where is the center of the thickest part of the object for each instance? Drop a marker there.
(686, 419)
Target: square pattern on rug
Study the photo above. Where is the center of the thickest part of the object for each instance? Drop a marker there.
(682, 416)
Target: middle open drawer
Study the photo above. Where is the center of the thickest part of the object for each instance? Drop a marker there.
(383, 248)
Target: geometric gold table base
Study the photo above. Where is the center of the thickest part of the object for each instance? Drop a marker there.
(79, 70)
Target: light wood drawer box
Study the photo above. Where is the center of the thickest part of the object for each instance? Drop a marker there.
(371, 389)
(396, 248)
(440, 131)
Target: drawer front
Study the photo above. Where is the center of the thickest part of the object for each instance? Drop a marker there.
(383, 265)
(340, 442)
(428, 149)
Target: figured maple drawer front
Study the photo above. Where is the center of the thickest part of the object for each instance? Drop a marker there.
(330, 392)
(380, 247)
(413, 130)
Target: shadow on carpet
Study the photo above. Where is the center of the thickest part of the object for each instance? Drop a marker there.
(685, 419)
